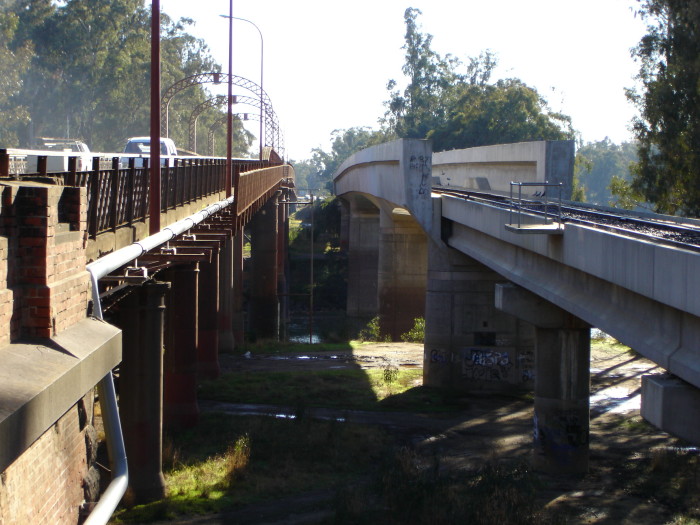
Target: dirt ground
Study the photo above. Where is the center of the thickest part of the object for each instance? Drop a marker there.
(491, 428)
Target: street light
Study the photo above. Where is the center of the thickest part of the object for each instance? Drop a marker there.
(229, 116)
(262, 61)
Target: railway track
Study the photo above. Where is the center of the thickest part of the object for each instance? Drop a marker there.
(659, 231)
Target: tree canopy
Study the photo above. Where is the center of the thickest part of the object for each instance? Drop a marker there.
(81, 68)
(668, 100)
(458, 106)
(597, 163)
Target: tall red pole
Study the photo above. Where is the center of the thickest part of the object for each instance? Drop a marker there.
(154, 193)
(229, 114)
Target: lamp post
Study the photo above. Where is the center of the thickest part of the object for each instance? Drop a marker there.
(262, 62)
(229, 110)
(154, 182)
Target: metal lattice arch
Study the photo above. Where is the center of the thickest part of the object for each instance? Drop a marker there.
(220, 78)
(221, 122)
(270, 120)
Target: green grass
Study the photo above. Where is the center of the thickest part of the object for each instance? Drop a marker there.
(352, 389)
(277, 347)
(228, 462)
(611, 346)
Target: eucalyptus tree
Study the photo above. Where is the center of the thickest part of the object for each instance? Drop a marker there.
(89, 75)
(13, 64)
(458, 106)
(668, 126)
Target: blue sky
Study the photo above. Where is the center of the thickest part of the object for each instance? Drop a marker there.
(327, 62)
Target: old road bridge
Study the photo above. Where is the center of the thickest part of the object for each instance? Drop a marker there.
(88, 285)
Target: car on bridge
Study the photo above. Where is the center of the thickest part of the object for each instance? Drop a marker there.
(58, 150)
(140, 148)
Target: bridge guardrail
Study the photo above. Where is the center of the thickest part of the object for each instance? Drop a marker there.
(551, 223)
(118, 196)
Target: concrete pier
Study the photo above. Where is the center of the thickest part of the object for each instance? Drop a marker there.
(363, 257)
(208, 324)
(142, 317)
(264, 307)
(180, 365)
(237, 313)
(562, 381)
(225, 314)
(401, 275)
(469, 344)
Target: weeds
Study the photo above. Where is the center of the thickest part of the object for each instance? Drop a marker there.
(373, 389)
(415, 489)
(372, 332)
(237, 458)
(228, 462)
(415, 334)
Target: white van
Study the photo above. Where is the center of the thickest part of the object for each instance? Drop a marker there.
(140, 148)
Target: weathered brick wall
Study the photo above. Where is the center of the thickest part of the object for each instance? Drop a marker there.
(6, 295)
(45, 485)
(44, 290)
(45, 227)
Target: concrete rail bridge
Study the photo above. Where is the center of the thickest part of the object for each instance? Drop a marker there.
(508, 306)
(85, 285)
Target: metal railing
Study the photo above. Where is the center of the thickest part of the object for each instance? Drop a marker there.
(118, 196)
(529, 204)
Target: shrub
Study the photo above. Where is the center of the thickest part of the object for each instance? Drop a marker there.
(372, 332)
(415, 334)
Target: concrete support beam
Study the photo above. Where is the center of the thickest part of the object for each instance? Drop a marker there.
(225, 314)
(264, 308)
(363, 258)
(238, 315)
(180, 366)
(208, 325)
(672, 405)
(470, 345)
(141, 388)
(401, 277)
(562, 380)
(283, 262)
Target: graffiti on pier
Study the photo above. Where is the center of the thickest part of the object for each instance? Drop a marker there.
(422, 163)
(486, 365)
(526, 363)
(563, 433)
(438, 356)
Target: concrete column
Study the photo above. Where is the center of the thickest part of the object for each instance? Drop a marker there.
(226, 339)
(282, 263)
(402, 273)
(238, 315)
(363, 258)
(180, 365)
(562, 381)
(470, 346)
(344, 225)
(141, 388)
(264, 307)
(208, 325)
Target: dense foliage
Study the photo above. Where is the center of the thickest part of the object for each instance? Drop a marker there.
(453, 104)
(668, 128)
(597, 163)
(459, 107)
(81, 68)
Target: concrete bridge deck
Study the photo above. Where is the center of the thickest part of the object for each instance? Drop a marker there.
(496, 302)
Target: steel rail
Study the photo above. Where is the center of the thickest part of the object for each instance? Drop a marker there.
(659, 231)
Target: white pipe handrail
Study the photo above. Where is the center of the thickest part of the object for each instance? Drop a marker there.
(108, 398)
